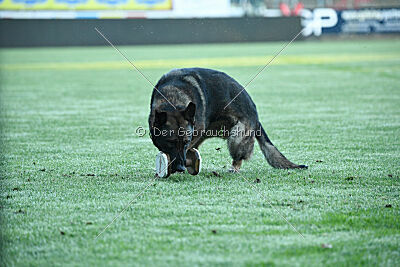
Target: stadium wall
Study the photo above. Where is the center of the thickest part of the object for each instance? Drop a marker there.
(80, 32)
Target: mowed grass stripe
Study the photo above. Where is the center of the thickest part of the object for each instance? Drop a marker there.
(205, 62)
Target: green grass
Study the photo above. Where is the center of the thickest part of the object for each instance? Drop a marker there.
(60, 125)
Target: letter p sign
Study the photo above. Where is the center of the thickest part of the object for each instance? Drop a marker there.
(314, 21)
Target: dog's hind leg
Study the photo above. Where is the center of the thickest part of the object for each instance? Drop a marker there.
(241, 144)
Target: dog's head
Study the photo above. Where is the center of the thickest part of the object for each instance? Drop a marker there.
(172, 131)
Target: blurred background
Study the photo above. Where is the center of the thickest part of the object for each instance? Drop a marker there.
(129, 22)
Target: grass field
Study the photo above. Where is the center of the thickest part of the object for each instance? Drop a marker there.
(71, 160)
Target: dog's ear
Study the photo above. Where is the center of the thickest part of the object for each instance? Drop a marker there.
(189, 112)
(160, 118)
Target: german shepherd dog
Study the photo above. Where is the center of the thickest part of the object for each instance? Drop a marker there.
(190, 105)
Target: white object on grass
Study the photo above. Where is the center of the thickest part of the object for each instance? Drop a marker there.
(193, 161)
(162, 163)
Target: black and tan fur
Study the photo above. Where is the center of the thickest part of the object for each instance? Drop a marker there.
(200, 96)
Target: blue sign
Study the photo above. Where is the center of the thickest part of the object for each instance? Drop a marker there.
(71, 2)
(366, 21)
(112, 2)
(29, 2)
(149, 2)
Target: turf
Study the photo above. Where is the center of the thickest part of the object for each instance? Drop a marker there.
(72, 160)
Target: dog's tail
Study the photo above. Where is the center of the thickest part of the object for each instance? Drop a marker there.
(275, 158)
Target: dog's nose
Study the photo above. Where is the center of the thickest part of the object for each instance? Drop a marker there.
(180, 168)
